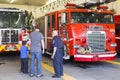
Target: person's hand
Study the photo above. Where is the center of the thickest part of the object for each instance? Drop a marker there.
(52, 57)
(43, 51)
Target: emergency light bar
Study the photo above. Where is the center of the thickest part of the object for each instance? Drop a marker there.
(102, 7)
(70, 5)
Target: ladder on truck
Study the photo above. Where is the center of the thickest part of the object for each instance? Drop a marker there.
(60, 4)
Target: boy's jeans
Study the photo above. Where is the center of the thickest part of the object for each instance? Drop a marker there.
(24, 65)
(38, 57)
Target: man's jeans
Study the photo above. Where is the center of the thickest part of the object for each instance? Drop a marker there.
(38, 57)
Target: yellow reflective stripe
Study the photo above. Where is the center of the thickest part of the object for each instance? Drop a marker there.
(113, 62)
(50, 69)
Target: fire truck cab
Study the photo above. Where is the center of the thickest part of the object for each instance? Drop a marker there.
(88, 34)
(13, 28)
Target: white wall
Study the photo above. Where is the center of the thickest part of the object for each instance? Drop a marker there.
(115, 5)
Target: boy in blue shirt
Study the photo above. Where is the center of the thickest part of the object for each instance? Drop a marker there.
(24, 57)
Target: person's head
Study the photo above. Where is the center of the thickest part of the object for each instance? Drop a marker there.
(23, 43)
(54, 33)
(37, 28)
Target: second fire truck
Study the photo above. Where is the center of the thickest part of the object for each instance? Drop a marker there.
(14, 28)
(117, 28)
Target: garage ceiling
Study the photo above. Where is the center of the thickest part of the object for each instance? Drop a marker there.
(36, 2)
(25, 2)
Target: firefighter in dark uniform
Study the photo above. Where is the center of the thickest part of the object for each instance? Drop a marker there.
(57, 55)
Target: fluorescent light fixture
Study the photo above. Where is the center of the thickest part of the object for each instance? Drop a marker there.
(118, 0)
(11, 1)
(50, 1)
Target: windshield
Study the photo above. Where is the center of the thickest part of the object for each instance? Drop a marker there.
(10, 20)
(89, 17)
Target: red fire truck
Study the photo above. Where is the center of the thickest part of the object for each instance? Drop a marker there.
(13, 28)
(88, 34)
(117, 28)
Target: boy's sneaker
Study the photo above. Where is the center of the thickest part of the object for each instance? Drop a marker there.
(31, 75)
(40, 75)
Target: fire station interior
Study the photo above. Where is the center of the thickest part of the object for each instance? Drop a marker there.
(89, 30)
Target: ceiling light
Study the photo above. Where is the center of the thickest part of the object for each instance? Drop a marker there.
(11, 1)
(118, 0)
(50, 1)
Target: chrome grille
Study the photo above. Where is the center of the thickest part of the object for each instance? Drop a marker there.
(9, 36)
(95, 28)
(96, 40)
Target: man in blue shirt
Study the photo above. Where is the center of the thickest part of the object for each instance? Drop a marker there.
(24, 57)
(57, 55)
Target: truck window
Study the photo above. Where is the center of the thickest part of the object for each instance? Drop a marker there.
(89, 17)
(4, 20)
(48, 22)
(77, 17)
(53, 21)
(66, 18)
(17, 21)
(12, 20)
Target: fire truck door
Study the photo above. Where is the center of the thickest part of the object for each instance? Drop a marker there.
(49, 31)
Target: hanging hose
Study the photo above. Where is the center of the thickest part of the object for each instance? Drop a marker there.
(84, 50)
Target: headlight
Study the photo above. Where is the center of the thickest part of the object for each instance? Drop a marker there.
(76, 46)
(113, 45)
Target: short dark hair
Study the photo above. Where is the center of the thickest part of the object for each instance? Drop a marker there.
(23, 42)
(37, 27)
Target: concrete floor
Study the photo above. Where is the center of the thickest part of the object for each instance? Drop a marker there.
(10, 70)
